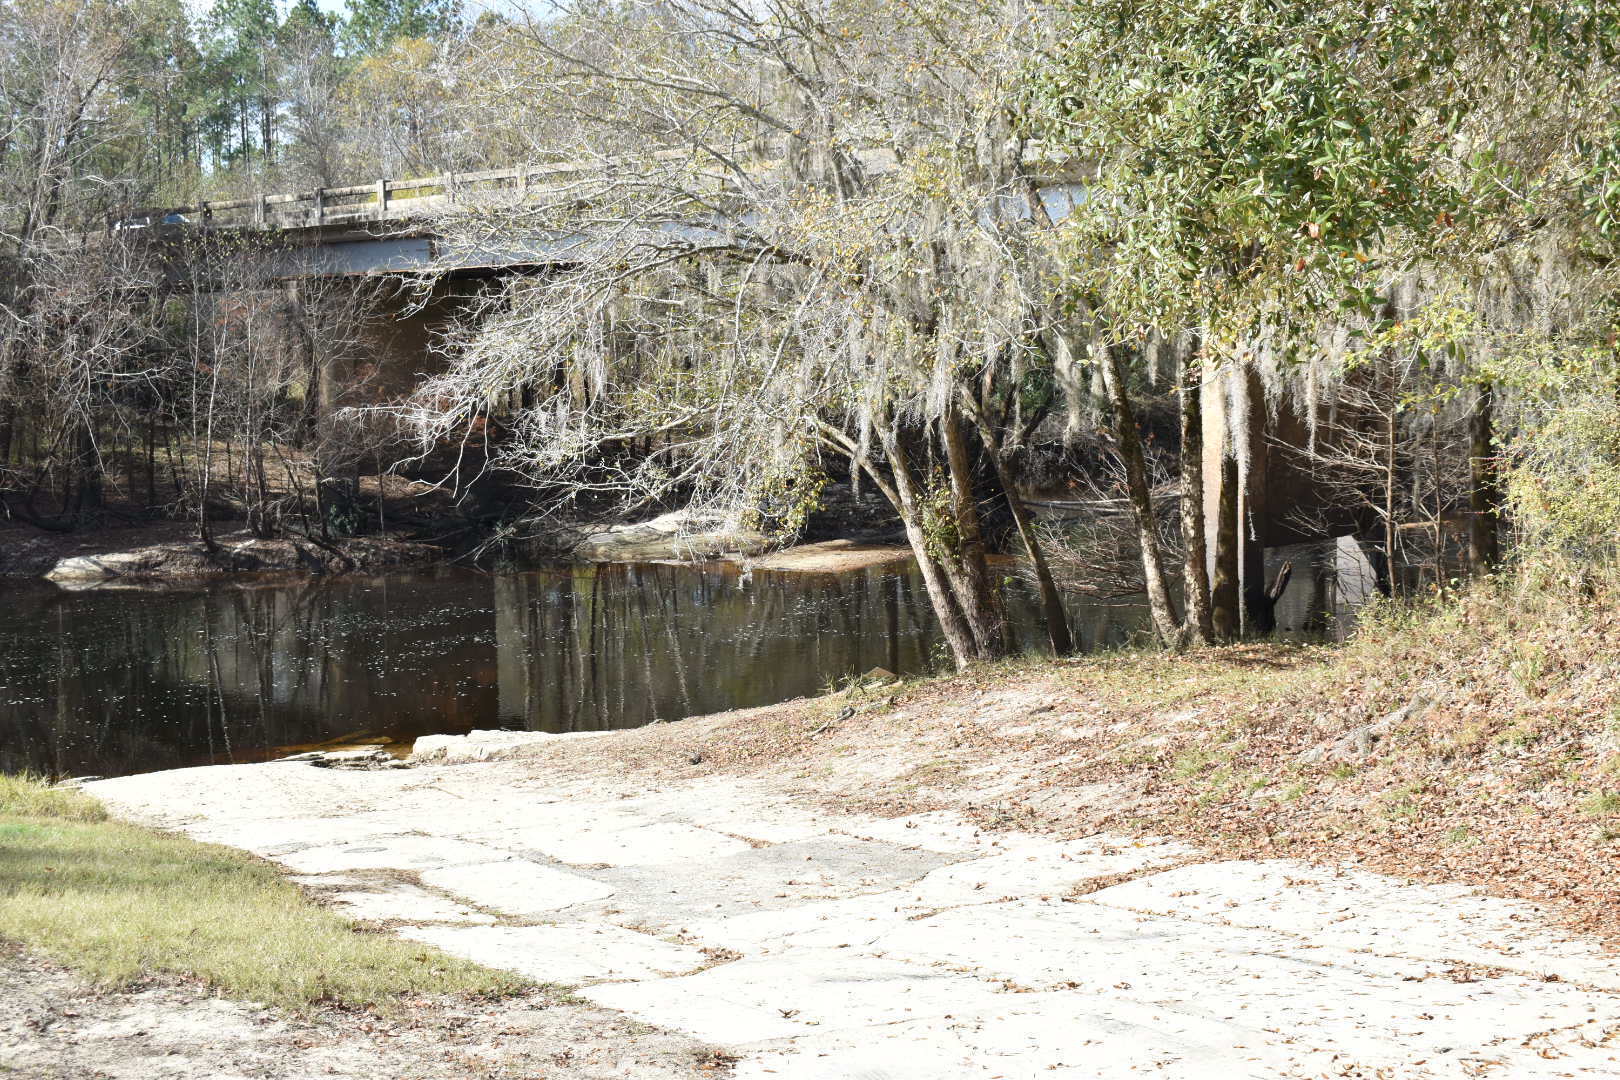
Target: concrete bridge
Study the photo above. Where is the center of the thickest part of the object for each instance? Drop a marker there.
(385, 227)
(380, 228)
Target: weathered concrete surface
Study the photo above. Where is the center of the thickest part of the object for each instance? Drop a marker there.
(575, 953)
(517, 887)
(826, 946)
(403, 903)
(485, 745)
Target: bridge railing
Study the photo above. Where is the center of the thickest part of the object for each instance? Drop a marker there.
(403, 200)
(381, 200)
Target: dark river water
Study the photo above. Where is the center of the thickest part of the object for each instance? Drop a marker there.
(111, 681)
(115, 681)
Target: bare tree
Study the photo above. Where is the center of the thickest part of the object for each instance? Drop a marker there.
(1396, 455)
(793, 245)
(263, 426)
(311, 83)
(84, 342)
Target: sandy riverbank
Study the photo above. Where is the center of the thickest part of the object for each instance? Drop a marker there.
(169, 552)
(160, 552)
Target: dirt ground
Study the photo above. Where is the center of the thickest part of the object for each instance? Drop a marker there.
(26, 551)
(54, 1026)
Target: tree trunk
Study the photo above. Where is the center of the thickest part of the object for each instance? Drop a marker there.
(958, 635)
(1224, 616)
(1391, 529)
(1485, 485)
(87, 467)
(1257, 606)
(967, 568)
(8, 429)
(1129, 443)
(1199, 626)
(204, 530)
(151, 462)
(1058, 634)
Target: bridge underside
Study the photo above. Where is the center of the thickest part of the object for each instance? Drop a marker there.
(350, 254)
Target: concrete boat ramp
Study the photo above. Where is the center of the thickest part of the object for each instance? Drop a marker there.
(824, 946)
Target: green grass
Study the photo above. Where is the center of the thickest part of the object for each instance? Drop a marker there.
(121, 903)
(1402, 801)
(1193, 762)
(23, 796)
(1602, 804)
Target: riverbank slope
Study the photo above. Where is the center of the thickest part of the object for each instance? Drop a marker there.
(1394, 855)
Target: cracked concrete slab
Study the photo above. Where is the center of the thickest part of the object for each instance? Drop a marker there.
(935, 831)
(1030, 1036)
(1357, 910)
(283, 836)
(403, 903)
(517, 887)
(837, 924)
(1041, 869)
(1360, 1002)
(752, 1001)
(569, 953)
(837, 947)
(635, 844)
(761, 879)
(387, 853)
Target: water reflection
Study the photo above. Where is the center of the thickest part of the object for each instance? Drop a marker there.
(112, 682)
(619, 646)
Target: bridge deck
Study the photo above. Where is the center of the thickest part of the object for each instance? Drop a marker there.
(360, 204)
(408, 200)
(339, 226)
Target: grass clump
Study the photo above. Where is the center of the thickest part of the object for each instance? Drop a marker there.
(25, 796)
(1602, 804)
(121, 903)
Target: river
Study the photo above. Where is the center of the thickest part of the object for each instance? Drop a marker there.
(113, 681)
(110, 681)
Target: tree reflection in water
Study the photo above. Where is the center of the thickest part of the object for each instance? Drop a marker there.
(113, 681)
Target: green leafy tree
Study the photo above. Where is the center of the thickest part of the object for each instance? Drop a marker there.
(240, 61)
(1255, 167)
(374, 25)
